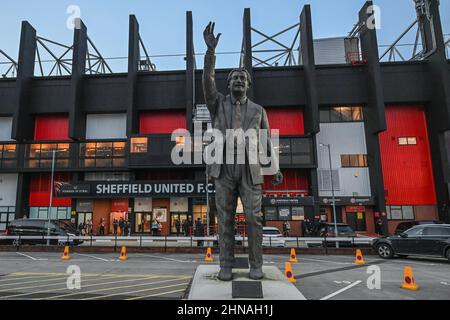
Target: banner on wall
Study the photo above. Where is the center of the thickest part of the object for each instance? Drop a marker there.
(132, 189)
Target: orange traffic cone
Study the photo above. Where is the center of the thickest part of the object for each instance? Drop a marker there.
(66, 255)
(123, 254)
(288, 272)
(359, 257)
(293, 258)
(408, 280)
(209, 257)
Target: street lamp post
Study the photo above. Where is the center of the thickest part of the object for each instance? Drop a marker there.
(208, 231)
(51, 197)
(336, 234)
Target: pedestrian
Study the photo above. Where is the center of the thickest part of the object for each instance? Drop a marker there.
(155, 227)
(89, 227)
(121, 226)
(379, 226)
(115, 226)
(199, 228)
(286, 228)
(128, 227)
(178, 226)
(102, 227)
(159, 229)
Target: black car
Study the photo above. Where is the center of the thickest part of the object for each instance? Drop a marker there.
(39, 230)
(403, 226)
(423, 240)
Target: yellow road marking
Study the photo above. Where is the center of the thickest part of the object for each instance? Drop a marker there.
(61, 289)
(156, 295)
(43, 279)
(137, 291)
(20, 278)
(42, 286)
(49, 278)
(102, 275)
(107, 289)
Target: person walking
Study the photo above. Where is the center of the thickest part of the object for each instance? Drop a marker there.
(115, 226)
(178, 226)
(154, 227)
(286, 228)
(121, 226)
(102, 227)
(128, 227)
(89, 227)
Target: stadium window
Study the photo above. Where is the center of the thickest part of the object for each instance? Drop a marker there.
(354, 161)
(407, 141)
(139, 145)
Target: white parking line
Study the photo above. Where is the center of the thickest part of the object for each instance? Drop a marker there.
(27, 256)
(164, 258)
(341, 290)
(94, 257)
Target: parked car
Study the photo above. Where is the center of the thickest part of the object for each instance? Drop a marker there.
(272, 237)
(423, 240)
(328, 230)
(403, 226)
(39, 229)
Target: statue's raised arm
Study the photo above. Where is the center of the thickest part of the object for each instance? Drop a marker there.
(209, 81)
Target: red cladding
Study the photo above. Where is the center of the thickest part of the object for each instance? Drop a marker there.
(51, 127)
(407, 170)
(288, 120)
(295, 181)
(40, 190)
(119, 205)
(160, 122)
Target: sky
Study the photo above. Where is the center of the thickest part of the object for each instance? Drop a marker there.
(162, 23)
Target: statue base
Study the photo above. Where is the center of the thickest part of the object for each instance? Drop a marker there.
(275, 286)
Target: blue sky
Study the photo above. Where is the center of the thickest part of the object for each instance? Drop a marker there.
(162, 22)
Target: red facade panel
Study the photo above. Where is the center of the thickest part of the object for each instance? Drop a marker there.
(295, 182)
(51, 127)
(288, 120)
(40, 190)
(160, 122)
(407, 169)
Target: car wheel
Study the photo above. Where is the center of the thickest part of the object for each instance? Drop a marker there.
(385, 251)
(448, 254)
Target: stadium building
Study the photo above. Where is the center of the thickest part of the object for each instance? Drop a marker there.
(374, 133)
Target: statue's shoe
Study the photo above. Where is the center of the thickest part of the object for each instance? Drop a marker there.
(226, 274)
(256, 274)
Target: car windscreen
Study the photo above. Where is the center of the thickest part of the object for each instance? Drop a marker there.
(343, 229)
(271, 232)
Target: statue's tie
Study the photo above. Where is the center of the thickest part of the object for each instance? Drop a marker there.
(237, 123)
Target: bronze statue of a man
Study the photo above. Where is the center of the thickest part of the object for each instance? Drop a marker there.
(235, 111)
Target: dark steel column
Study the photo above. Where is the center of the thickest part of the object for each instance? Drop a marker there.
(438, 110)
(77, 119)
(311, 110)
(23, 121)
(309, 66)
(190, 71)
(133, 63)
(374, 112)
(248, 52)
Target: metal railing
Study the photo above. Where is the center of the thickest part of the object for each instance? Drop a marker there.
(182, 242)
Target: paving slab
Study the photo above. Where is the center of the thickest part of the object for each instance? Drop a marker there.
(206, 285)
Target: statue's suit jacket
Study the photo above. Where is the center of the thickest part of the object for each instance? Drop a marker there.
(221, 110)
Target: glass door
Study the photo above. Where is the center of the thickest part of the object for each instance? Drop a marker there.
(177, 222)
(143, 222)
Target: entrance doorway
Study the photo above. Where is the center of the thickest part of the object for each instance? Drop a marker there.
(83, 217)
(143, 222)
(181, 218)
(357, 221)
(116, 216)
